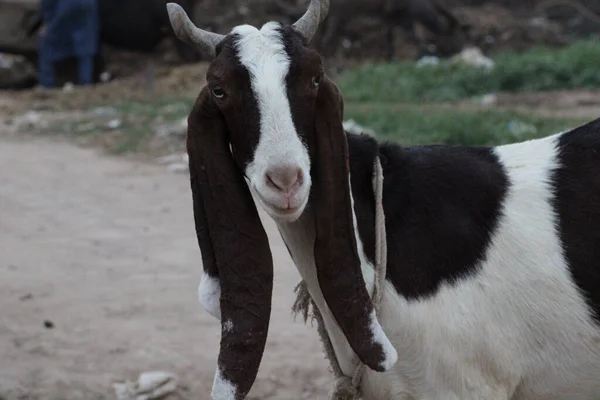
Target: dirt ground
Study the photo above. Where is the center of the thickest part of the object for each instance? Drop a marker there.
(99, 267)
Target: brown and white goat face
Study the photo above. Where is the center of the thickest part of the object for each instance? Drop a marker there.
(267, 127)
(265, 81)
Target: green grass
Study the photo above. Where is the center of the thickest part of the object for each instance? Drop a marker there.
(138, 123)
(141, 120)
(407, 124)
(413, 125)
(165, 109)
(539, 69)
(401, 102)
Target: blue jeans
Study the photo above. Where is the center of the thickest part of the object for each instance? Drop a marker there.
(85, 71)
(71, 31)
(85, 68)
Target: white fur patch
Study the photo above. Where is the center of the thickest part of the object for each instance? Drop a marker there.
(263, 54)
(228, 326)
(389, 352)
(222, 388)
(209, 293)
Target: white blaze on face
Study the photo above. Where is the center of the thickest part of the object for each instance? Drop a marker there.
(262, 52)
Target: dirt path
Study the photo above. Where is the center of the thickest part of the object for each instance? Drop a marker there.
(105, 249)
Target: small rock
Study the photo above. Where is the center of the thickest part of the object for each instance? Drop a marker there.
(87, 127)
(16, 72)
(178, 128)
(105, 76)
(113, 124)
(243, 10)
(539, 22)
(521, 128)
(149, 385)
(104, 111)
(428, 60)
(30, 119)
(352, 127)
(474, 57)
(5, 62)
(173, 158)
(178, 167)
(488, 99)
(25, 297)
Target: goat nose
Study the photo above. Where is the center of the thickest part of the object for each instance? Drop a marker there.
(284, 178)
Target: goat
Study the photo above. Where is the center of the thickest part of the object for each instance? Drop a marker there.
(492, 288)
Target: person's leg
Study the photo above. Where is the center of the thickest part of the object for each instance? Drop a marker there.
(45, 63)
(85, 69)
(55, 42)
(85, 36)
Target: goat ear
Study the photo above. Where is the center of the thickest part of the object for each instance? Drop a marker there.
(336, 253)
(234, 246)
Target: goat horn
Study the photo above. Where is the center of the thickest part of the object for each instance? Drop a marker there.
(308, 24)
(189, 33)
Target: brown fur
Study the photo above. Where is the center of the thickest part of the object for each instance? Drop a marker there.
(232, 242)
(336, 255)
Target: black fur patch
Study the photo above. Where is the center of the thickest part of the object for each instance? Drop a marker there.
(577, 203)
(442, 205)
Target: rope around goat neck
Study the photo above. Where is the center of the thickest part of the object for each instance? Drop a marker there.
(348, 388)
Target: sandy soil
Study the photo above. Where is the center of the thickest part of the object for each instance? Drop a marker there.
(98, 273)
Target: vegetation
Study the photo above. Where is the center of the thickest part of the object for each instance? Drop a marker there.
(403, 103)
(540, 69)
(411, 125)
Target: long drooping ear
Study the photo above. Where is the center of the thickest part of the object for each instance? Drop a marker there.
(336, 254)
(235, 249)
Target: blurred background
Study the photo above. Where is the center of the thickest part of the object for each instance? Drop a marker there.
(98, 258)
(470, 54)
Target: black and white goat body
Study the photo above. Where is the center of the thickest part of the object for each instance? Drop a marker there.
(493, 275)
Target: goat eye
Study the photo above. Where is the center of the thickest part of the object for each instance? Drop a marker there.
(218, 92)
(316, 80)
